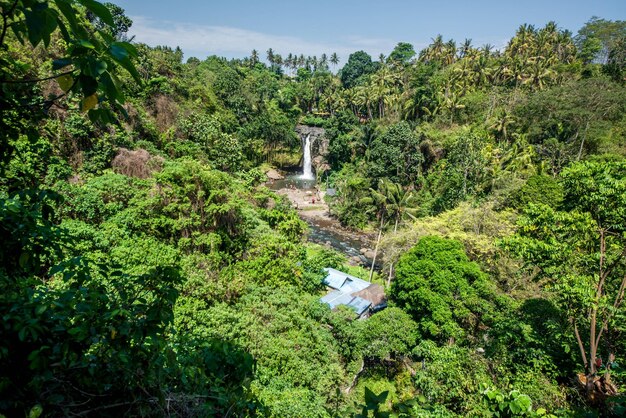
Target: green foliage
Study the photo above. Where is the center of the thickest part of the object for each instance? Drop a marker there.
(389, 334)
(539, 189)
(598, 37)
(512, 404)
(121, 22)
(396, 155)
(373, 404)
(93, 56)
(448, 296)
(74, 325)
(402, 53)
(297, 358)
(576, 114)
(34, 161)
(190, 292)
(359, 65)
(223, 150)
(462, 173)
(588, 238)
(352, 187)
(451, 377)
(311, 120)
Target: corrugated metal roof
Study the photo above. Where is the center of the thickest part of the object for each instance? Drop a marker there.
(336, 298)
(344, 282)
(359, 305)
(347, 288)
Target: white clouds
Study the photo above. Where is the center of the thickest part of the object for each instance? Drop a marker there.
(201, 41)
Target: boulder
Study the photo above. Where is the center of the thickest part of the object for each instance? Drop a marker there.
(273, 174)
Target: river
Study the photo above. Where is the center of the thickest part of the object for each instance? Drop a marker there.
(324, 229)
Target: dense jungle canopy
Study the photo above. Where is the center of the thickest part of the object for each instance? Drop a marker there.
(146, 269)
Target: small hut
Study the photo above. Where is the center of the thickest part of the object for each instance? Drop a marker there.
(362, 296)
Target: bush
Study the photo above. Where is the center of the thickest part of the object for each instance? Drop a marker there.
(447, 294)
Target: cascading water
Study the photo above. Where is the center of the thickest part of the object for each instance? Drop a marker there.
(307, 170)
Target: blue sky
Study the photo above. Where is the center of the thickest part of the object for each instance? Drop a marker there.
(232, 28)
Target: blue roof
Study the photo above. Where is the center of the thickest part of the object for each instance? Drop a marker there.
(336, 298)
(344, 282)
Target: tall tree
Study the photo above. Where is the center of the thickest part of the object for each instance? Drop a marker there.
(589, 237)
(121, 22)
(598, 37)
(270, 56)
(334, 59)
(359, 64)
(446, 294)
(254, 57)
(402, 53)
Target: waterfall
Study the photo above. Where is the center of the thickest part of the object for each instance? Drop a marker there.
(307, 173)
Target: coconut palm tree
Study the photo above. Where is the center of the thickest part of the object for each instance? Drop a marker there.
(501, 122)
(401, 205)
(323, 62)
(381, 85)
(392, 203)
(334, 60)
(466, 47)
(379, 199)
(449, 55)
(270, 56)
(254, 57)
(364, 97)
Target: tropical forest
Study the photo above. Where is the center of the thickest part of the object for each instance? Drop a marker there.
(432, 232)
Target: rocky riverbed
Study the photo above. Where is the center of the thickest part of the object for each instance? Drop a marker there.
(311, 207)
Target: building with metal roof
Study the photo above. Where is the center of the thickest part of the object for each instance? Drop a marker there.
(358, 294)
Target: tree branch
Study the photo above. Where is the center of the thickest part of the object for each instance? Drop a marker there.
(36, 80)
(619, 298)
(580, 345)
(615, 262)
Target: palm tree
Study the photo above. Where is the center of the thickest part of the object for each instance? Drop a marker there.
(323, 62)
(352, 99)
(254, 57)
(379, 198)
(378, 87)
(364, 97)
(400, 205)
(466, 47)
(367, 138)
(278, 60)
(486, 49)
(437, 47)
(334, 60)
(392, 202)
(449, 52)
(501, 122)
(270, 55)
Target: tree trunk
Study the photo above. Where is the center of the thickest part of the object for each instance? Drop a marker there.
(380, 233)
(582, 143)
(356, 377)
(395, 229)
